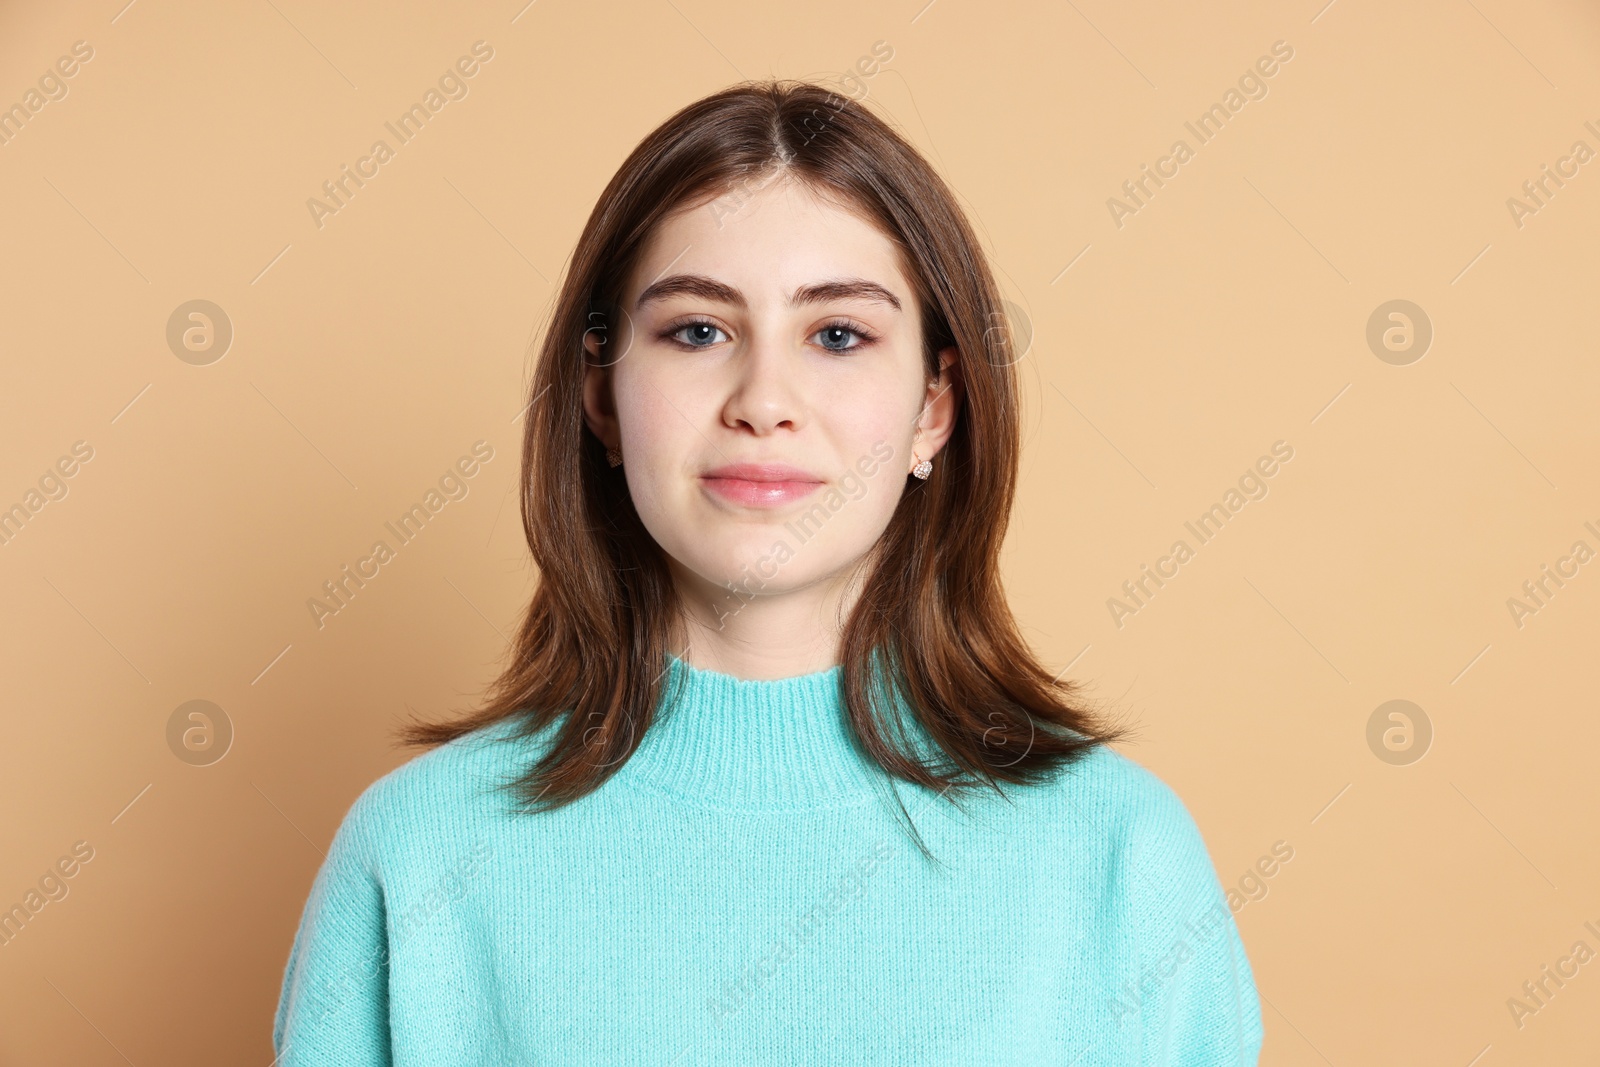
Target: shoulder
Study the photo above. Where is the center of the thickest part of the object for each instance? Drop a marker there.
(1152, 859)
(1181, 964)
(1130, 802)
(1133, 828)
(438, 791)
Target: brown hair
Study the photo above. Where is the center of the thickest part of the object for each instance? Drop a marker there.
(593, 641)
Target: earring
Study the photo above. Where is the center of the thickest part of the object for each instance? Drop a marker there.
(922, 469)
(613, 457)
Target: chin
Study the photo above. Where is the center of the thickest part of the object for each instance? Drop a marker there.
(753, 561)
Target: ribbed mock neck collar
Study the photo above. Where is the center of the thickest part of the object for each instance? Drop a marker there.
(759, 745)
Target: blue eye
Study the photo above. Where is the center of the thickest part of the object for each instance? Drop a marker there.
(699, 329)
(703, 334)
(834, 329)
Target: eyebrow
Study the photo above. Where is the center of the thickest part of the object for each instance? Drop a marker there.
(711, 289)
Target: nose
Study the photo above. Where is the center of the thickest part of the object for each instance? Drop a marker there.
(765, 388)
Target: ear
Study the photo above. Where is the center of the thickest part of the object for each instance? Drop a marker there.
(940, 405)
(599, 404)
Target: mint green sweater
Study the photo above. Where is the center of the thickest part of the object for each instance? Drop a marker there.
(740, 892)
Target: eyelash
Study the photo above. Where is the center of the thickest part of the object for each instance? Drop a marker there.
(867, 336)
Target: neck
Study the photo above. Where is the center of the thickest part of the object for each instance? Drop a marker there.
(756, 631)
(776, 744)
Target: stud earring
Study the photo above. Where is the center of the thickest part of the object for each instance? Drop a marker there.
(922, 469)
(613, 457)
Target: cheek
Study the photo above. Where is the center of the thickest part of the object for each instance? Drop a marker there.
(655, 444)
(863, 521)
(658, 416)
(875, 455)
(872, 440)
(887, 484)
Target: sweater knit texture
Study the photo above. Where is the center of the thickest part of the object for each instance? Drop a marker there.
(742, 891)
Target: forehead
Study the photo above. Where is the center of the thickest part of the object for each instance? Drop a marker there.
(768, 241)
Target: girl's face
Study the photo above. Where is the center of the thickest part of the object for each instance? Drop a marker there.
(766, 389)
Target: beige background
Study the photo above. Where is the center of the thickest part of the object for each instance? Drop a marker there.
(1168, 354)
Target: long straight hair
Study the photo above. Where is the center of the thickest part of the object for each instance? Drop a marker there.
(931, 617)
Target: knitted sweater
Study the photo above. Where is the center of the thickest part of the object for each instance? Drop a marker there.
(740, 892)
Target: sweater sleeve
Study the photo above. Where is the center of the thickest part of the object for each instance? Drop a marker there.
(333, 1007)
(1196, 994)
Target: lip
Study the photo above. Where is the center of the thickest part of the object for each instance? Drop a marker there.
(760, 484)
